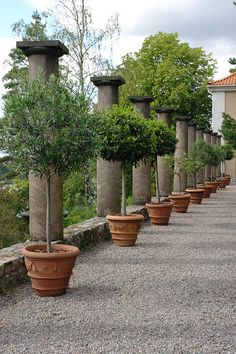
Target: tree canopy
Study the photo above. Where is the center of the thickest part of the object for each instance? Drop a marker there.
(228, 129)
(172, 73)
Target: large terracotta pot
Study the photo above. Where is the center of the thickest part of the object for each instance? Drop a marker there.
(124, 228)
(196, 195)
(180, 202)
(207, 190)
(50, 272)
(214, 186)
(159, 213)
(228, 179)
(223, 182)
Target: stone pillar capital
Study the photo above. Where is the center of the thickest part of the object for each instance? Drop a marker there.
(107, 81)
(191, 123)
(141, 99)
(183, 119)
(163, 109)
(53, 48)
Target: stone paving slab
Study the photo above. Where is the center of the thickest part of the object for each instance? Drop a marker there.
(175, 292)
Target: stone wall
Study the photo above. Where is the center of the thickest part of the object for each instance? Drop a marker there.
(83, 235)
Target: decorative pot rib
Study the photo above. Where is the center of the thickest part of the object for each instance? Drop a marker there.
(124, 228)
(50, 272)
(159, 213)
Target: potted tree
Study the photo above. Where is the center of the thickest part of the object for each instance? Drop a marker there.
(180, 200)
(200, 150)
(126, 138)
(229, 155)
(215, 156)
(49, 131)
(192, 165)
(164, 142)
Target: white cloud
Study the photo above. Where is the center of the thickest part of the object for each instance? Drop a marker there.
(40, 5)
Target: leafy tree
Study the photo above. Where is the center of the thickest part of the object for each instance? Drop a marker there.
(48, 130)
(35, 30)
(232, 61)
(125, 137)
(88, 45)
(164, 142)
(171, 72)
(228, 129)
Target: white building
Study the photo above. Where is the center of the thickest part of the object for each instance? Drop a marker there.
(224, 100)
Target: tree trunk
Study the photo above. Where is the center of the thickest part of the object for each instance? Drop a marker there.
(48, 215)
(157, 181)
(123, 199)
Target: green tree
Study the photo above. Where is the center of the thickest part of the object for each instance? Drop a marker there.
(228, 129)
(125, 137)
(163, 143)
(49, 130)
(35, 30)
(173, 73)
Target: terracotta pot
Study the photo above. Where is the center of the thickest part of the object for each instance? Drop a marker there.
(196, 195)
(214, 186)
(180, 202)
(223, 183)
(159, 213)
(228, 179)
(124, 228)
(207, 190)
(50, 272)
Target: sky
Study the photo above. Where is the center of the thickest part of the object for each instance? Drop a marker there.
(209, 24)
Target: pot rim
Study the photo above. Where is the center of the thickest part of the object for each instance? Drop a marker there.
(129, 217)
(30, 251)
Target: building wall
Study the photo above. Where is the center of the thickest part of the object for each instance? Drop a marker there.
(218, 106)
(230, 108)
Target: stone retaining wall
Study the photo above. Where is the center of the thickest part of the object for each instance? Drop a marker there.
(83, 235)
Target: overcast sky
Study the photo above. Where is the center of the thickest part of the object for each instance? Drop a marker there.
(206, 23)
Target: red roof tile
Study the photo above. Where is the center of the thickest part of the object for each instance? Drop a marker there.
(226, 81)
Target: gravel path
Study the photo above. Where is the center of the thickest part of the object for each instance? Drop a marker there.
(175, 292)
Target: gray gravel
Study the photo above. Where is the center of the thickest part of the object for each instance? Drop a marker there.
(175, 292)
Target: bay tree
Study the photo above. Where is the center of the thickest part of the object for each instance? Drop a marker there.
(172, 73)
(48, 130)
(125, 138)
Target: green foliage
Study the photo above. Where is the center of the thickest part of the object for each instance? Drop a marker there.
(47, 129)
(125, 136)
(13, 199)
(164, 138)
(36, 30)
(203, 152)
(218, 154)
(171, 72)
(228, 129)
(229, 153)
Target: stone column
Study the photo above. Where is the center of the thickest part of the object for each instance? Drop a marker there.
(218, 168)
(43, 56)
(201, 173)
(207, 139)
(164, 176)
(141, 187)
(108, 173)
(213, 142)
(181, 149)
(191, 140)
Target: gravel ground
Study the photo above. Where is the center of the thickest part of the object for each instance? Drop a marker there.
(175, 292)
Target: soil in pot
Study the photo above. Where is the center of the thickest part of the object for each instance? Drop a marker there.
(159, 213)
(124, 228)
(196, 195)
(50, 272)
(180, 202)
